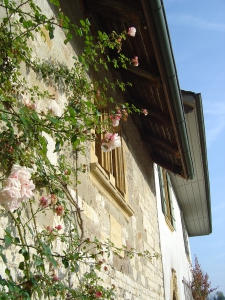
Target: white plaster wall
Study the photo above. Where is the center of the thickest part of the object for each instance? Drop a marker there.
(172, 246)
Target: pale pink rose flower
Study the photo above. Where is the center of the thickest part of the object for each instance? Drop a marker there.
(10, 193)
(131, 31)
(55, 109)
(111, 141)
(115, 122)
(17, 187)
(10, 182)
(135, 61)
(10, 198)
(22, 173)
(115, 119)
(28, 104)
(26, 190)
(11, 206)
(145, 112)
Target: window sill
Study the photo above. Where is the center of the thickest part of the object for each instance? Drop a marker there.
(106, 184)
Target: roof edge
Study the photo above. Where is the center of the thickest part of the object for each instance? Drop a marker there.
(200, 117)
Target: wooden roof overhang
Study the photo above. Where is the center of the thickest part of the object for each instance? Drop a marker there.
(154, 82)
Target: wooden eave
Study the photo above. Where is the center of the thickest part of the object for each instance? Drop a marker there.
(150, 83)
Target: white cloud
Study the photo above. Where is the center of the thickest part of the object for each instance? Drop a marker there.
(192, 21)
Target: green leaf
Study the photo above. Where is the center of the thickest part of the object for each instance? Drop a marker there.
(39, 261)
(82, 23)
(65, 262)
(51, 32)
(53, 261)
(73, 138)
(3, 257)
(25, 254)
(8, 240)
(21, 265)
(16, 240)
(57, 146)
(54, 120)
(8, 273)
(44, 144)
(24, 120)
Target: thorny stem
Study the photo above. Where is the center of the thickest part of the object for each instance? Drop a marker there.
(22, 239)
(37, 235)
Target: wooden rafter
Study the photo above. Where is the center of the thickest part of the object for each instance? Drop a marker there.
(142, 74)
(159, 116)
(167, 165)
(116, 10)
(162, 144)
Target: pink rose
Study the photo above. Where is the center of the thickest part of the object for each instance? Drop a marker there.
(43, 202)
(145, 112)
(131, 31)
(12, 182)
(115, 119)
(26, 190)
(59, 210)
(49, 229)
(98, 294)
(17, 187)
(135, 61)
(110, 142)
(55, 278)
(58, 227)
(10, 193)
(22, 173)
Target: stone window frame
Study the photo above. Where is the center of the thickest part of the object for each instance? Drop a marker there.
(174, 293)
(166, 198)
(108, 171)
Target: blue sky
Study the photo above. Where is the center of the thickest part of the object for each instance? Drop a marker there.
(197, 31)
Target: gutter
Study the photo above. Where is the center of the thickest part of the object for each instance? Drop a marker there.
(198, 101)
(162, 33)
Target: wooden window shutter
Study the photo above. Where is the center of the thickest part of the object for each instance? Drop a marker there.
(173, 221)
(118, 169)
(113, 161)
(162, 190)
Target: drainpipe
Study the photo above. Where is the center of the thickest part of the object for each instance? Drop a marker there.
(159, 19)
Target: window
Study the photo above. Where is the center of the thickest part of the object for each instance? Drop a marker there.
(174, 287)
(166, 197)
(185, 236)
(108, 170)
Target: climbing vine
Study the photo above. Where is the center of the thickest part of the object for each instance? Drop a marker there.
(55, 262)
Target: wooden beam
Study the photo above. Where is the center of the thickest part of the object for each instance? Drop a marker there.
(175, 169)
(162, 144)
(142, 74)
(116, 10)
(155, 113)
